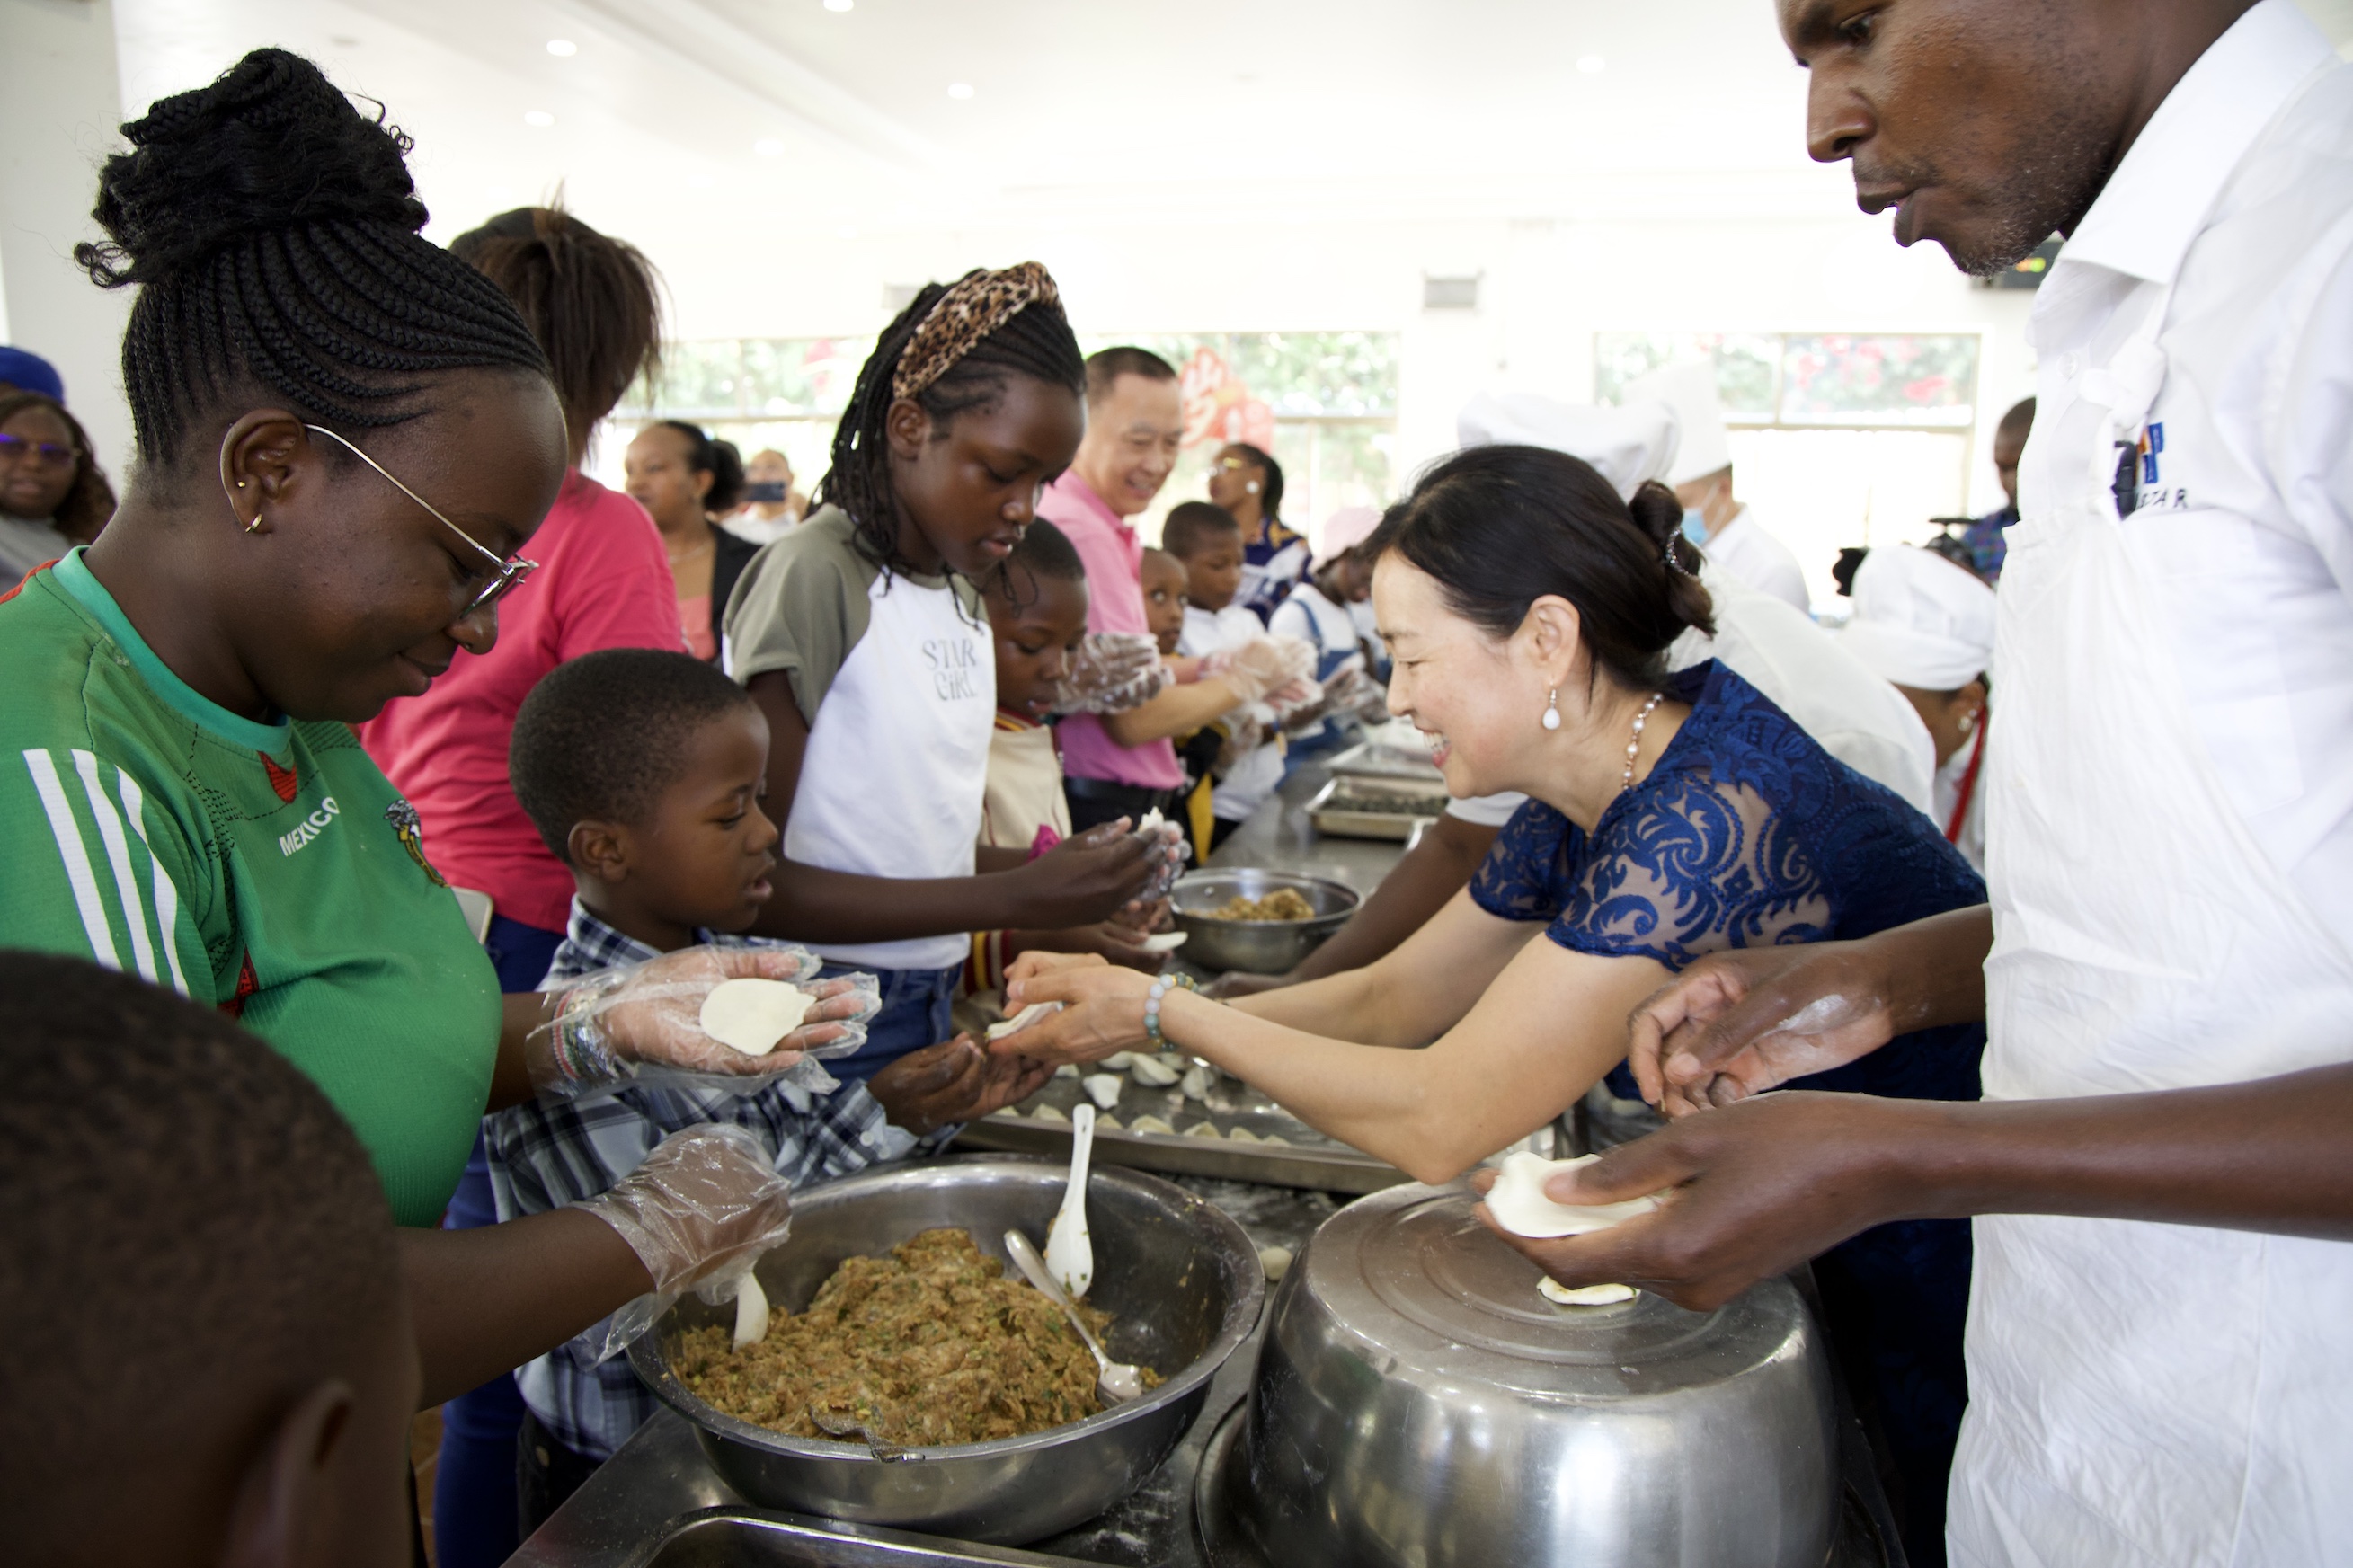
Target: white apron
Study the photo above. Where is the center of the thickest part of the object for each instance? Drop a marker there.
(2140, 1393)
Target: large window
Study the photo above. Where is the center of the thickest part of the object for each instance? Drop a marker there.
(1324, 403)
(1837, 438)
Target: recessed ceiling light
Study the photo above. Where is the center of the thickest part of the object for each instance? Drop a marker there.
(540, 118)
(562, 48)
(839, 4)
(1591, 65)
(768, 147)
(959, 89)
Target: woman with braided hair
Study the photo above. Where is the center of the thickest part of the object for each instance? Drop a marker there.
(861, 637)
(344, 435)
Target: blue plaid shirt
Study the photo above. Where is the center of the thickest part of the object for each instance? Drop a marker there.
(548, 1153)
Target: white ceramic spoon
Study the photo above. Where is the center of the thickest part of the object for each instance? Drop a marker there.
(1117, 1381)
(1070, 1250)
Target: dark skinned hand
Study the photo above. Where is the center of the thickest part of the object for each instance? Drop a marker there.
(1739, 1022)
(1758, 1188)
(1087, 877)
(954, 1081)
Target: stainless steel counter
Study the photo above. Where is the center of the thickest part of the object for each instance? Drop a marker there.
(1279, 836)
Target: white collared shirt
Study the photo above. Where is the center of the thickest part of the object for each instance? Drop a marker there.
(1744, 549)
(2240, 194)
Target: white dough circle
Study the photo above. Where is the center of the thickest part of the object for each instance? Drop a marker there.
(752, 1016)
(1587, 1296)
(1518, 1203)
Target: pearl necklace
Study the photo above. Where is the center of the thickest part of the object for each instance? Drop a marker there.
(1635, 744)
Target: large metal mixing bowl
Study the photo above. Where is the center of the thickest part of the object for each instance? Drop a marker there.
(1182, 1281)
(1418, 1403)
(1256, 947)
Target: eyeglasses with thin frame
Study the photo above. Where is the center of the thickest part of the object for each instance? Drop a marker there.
(17, 448)
(504, 573)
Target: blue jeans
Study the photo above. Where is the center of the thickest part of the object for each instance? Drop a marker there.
(915, 1007)
(474, 1512)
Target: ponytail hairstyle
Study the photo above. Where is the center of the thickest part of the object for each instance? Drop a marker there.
(954, 350)
(272, 229)
(1500, 527)
(593, 302)
(1270, 503)
(720, 459)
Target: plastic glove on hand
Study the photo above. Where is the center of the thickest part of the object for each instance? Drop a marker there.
(1113, 672)
(700, 1212)
(620, 1023)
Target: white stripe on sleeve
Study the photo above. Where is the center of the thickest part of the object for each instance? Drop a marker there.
(118, 858)
(76, 856)
(166, 892)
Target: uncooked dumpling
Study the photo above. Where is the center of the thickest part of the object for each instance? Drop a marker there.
(1202, 1130)
(1275, 1260)
(1165, 941)
(1553, 1290)
(1198, 1078)
(1049, 1113)
(1023, 1019)
(1108, 1123)
(1066, 1070)
(752, 1016)
(1102, 1088)
(1241, 1135)
(1118, 1061)
(1160, 1124)
(1154, 1072)
(1518, 1203)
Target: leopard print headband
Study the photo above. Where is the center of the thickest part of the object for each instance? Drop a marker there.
(975, 305)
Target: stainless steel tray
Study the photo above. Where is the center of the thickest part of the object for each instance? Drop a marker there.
(744, 1538)
(1306, 1159)
(1344, 808)
(1377, 759)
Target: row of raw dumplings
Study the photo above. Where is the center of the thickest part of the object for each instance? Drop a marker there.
(1163, 1126)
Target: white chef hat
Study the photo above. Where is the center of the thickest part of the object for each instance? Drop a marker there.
(1344, 531)
(1626, 446)
(1690, 391)
(1920, 620)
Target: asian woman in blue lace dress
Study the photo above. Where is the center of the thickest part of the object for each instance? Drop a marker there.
(1529, 610)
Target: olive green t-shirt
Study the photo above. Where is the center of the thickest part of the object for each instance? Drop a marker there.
(269, 871)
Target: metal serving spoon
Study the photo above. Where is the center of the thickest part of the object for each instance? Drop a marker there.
(1117, 1381)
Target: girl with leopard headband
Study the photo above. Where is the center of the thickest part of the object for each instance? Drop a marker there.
(862, 637)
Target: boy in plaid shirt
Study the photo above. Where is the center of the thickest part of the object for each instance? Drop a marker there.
(643, 771)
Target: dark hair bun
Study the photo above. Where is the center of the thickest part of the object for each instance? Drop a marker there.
(726, 492)
(273, 145)
(1660, 515)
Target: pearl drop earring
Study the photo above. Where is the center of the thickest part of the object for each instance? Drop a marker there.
(1552, 709)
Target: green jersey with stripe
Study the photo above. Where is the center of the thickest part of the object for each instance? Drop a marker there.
(267, 869)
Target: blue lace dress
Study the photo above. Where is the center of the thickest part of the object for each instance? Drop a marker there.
(1745, 833)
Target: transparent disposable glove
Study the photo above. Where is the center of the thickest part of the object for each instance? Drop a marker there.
(1261, 665)
(1113, 672)
(1165, 840)
(1298, 705)
(644, 1021)
(699, 1211)
(1352, 693)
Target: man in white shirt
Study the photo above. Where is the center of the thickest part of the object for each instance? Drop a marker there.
(2161, 1319)
(1701, 473)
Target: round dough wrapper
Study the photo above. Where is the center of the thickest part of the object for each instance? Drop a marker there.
(752, 1016)
(1518, 1203)
(1553, 1290)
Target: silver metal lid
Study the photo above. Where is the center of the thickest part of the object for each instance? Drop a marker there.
(1427, 1289)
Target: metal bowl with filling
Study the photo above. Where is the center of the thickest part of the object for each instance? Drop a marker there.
(1418, 1403)
(1181, 1280)
(1257, 947)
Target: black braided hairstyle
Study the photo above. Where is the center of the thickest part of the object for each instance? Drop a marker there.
(1036, 342)
(272, 229)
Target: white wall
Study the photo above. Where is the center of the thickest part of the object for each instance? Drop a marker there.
(60, 106)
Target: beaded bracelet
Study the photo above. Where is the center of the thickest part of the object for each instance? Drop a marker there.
(1151, 999)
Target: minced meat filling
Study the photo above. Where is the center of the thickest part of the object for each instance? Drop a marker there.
(931, 1345)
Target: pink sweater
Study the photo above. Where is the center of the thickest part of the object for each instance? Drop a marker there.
(603, 582)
